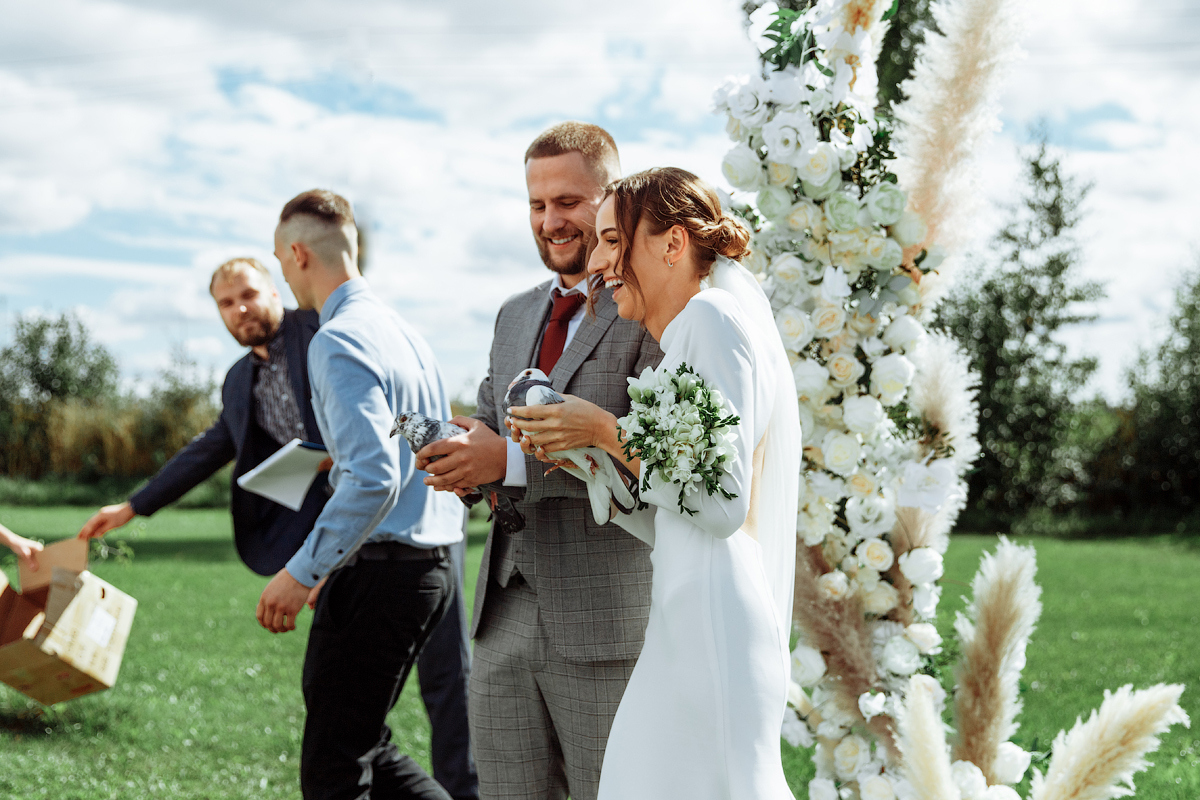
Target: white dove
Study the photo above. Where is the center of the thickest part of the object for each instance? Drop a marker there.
(606, 480)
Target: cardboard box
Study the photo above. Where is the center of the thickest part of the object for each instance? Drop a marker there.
(65, 634)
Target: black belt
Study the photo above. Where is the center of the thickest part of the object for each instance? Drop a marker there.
(398, 551)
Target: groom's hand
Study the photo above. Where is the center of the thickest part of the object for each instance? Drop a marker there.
(468, 460)
(281, 601)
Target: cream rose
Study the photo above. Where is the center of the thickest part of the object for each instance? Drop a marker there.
(881, 598)
(875, 787)
(788, 271)
(925, 600)
(817, 163)
(924, 636)
(890, 378)
(780, 174)
(841, 211)
(900, 656)
(904, 334)
(828, 320)
(863, 414)
(844, 369)
(808, 665)
(888, 255)
(742, 168)
(835, 585)
(812, 380)
(1010, 764)
(873, 515)
(818, 191)
(737, 130)
(885, 202)
(804, 215)
(921, 565)
(774, 202)
(795, 328)
(850, 756)
(822, 789)
(909, 229)
(841, 451)
(875, 553)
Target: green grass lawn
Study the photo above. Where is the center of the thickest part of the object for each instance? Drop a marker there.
(208, 704)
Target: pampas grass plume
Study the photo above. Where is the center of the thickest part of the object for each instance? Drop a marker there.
(921, 739)
(1097, 759)
(943, 393)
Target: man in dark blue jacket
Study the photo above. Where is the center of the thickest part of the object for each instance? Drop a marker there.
(266, 402)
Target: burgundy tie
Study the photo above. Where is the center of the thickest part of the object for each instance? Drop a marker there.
(556, 330)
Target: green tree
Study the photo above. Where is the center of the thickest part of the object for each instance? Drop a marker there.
(1010, 316)
(54, 358)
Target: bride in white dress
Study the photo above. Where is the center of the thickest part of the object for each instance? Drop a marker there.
(701, 716)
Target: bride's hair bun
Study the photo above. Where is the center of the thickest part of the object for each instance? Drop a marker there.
(730, 238)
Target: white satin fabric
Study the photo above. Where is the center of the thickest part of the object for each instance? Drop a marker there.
(701, 716)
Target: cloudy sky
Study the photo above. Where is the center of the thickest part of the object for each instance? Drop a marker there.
(142, 143)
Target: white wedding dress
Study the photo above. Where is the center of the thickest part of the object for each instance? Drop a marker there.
(701, 716)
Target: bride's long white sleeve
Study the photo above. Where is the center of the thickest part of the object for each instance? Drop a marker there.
(718, 349)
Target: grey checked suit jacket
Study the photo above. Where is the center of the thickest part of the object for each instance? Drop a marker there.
(592, 581)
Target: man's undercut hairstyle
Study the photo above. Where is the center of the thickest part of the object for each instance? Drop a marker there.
(323, 204)
(235, 265)
(594, 143)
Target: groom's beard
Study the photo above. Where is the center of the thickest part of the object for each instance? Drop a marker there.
(578, 264)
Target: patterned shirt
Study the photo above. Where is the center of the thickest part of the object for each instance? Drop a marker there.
(276, 409)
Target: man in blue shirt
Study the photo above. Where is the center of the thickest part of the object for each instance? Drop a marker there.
(377, 561)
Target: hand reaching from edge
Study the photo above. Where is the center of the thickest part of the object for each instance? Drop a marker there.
(106, 519)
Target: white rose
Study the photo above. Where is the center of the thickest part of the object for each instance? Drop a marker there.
(904, 334)
(828, 320)
(812, 380)
(841, 452)
(813, 524)
(927, 487)
(921, 565)
(909, 229)
(1000, 792)
(788, 270)
(870, 516)
(844, 369)
(875, 787)
(925, 600)
(804, 215)
(886, 203)
(886, 255)
(786, 88)
(749, 103)
(862, 414)
(780, 174)
(737, 130)
(841, 211)
(851, 755)
(969, 779)
(834, 584)
(900, 656)
(910, 295)
(871, 704)
(774, 202)
(834, 285)
(875, 553)
(818, 191)
(742, 168)
(890, 378)
(794, 327)
(925, 637)
(785, 136)
(808, 665)
(881, 598)
(826, 486)
(795, 730)
(822, 789)
(817, 163)
(862, 484)
(1010, 764)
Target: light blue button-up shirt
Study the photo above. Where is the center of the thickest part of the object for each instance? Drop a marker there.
(366, 365)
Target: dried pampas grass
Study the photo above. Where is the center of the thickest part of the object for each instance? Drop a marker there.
(1002, 615)
(921, 739)
(1096, 757)
(943, 394)
(950, 111)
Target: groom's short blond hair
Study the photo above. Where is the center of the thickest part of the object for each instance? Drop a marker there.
(594, 143)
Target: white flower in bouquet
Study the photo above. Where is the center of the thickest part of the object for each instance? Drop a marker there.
(850, 756)
(880, 598)
(828, 320)
(841, 211)
(742, 168)
(921, 565)
(909, 296)
(818, 190)
(863, 414)
(812, 379)
(844, 369)
(749, 102)
(835, 585)
(808, 665)
(891, 376)
(822, 789)
(814, 523)
(863, 483)
(827, 487)
(927, 487)
(873, 347)
(925, 600)
(780, 174)
(870, 516)
(795, 730)
(1000, 792)
(834, 286)
(785, 87)
(925, 637)
(969, 779)
(875, 554)
(901, 657)
(817, 163)
(875, 787)
(905, 334)
(737, 130)
(886, 203)
(795, 328)
(872, 704)
(806, 215)
(1011, 763)
(885, 253)
(909, 230)
(756, 261)
(774, 202)
(864, 324)
(841, 452)
(786, 135)
(808, 425)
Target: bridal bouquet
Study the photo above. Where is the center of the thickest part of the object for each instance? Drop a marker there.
(679, 427)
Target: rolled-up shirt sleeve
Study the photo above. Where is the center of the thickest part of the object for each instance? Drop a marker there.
(354, 414)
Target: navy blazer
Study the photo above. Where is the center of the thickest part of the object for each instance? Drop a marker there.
(266, 534)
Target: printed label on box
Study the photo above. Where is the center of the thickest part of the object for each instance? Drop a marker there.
(101, 626)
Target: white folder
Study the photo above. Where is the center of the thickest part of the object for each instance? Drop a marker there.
(287, 474)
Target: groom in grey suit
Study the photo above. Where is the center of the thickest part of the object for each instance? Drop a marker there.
(561, 605)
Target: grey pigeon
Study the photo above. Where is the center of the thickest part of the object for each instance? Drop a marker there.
(420, 430)
(605, 479)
